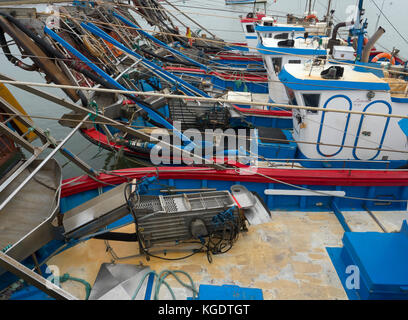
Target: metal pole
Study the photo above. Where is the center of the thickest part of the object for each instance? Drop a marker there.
(203, 28)
(19, 2)
(328, 10)
(22, 167)
(38, 168)
(33, 278)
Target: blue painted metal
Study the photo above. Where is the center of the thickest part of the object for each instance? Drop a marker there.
(239, 1)
(290, 51)
(317, 85)
(403, 124)
(358, 30)
(340, 217)
(374, 68)
(239, 48)
(275, 150)
(399, 100)
(335, 257)
(275, 202)
(322, 124)
(30, 293)
(361, 123)
(154, 116)
(191, 90)
(380, 264)
(83, 4)
(155, 40)
(287, 203)
(228, 292)
(149, 286)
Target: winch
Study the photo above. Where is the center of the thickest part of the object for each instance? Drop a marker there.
(212, 218)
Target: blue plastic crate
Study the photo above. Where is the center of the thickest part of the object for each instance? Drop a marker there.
(228, 292)
(381, 260)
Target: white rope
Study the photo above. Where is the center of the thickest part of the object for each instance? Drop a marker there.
(174, 96)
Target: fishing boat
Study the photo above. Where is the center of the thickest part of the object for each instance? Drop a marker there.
(306, 226)
(308, 41)
(290, 226)
(240, 1)
(309, 22)
(212, 239)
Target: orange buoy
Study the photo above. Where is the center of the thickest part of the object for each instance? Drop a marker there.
(116, 52)
(384, 55)
(310, 17)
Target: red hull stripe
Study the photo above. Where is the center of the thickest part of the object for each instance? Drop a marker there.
(273, 113)
(294, 176)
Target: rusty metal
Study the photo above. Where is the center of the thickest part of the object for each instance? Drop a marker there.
(47, 65)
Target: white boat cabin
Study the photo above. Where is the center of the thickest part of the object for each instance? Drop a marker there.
(248, 27)
(282, 44)
(333, 135)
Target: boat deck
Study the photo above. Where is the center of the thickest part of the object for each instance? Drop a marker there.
(286, 257)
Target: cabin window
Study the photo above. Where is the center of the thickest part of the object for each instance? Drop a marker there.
(291, 96)
(250, 28)
(311, 100)
(282, 36)
(277, 64)
(294, 62)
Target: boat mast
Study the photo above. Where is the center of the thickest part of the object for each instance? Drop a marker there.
(328, 10)
(328, 7)
(358, 29)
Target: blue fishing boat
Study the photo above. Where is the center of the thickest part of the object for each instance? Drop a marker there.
(323, 192)
(320, 214)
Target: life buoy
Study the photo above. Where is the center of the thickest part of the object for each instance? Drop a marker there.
(311, 17)
(384, 55)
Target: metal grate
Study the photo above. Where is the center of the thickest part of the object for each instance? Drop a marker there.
(192, 115)
(170, 204)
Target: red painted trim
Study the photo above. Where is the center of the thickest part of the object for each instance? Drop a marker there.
(181, 69)
(234, 56)
(316, 177)
(259, 17)
(97, 136)
(238, 43)
(236, 201)
(272, 113)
